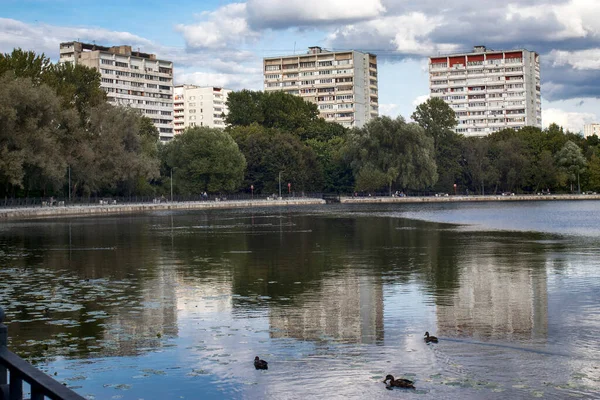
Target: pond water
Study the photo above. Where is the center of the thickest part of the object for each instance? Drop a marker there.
(176, 305)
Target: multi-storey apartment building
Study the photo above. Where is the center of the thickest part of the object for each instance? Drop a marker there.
(489, 90)
(199, 106)
(591, 130)
(130, 78)
(343, 84)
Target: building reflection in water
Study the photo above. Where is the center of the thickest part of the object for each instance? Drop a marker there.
(497, 299)
(345, 307)
(136, 328)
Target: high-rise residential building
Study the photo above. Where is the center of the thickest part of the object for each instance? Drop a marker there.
(489, 90)
(591, 130)
(343, 84)
(199, 106)
(130, 78)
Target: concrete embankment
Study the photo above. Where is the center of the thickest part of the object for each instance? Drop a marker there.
(94, 210)
(462, 199)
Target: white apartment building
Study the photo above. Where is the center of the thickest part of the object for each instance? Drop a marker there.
(489, 90)
(343, 84)
(130, 78)
(591, 130)
(199, 106)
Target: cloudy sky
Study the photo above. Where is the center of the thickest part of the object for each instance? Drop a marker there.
(219, 42)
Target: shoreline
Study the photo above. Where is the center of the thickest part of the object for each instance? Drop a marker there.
(95, 210)
(466, 199)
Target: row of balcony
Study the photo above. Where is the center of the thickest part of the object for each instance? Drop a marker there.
(441, 66)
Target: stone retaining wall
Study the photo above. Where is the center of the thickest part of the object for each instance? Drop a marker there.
(450, 199)
(43, 212)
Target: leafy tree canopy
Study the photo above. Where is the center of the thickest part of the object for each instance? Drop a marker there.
(389, 151)
(270, 152)
(205, 159)
(278, 110)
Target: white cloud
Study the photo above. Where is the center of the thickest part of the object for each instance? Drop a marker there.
(390, 110)
(420, 100)
(575, 18)
(219, 29)
(229, 81)
(406, 34)
(45, 38)
(224, 67)
(572, 121)
(582, 59)
(289, 13)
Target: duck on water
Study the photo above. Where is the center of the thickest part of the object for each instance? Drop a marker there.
(400, 382)
(260, 364)
(430, 339)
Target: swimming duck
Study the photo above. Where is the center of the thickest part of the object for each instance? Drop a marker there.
(430, 339)
(260, 364)
(401, 383)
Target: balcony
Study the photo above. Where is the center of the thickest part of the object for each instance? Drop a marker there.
(439, 86)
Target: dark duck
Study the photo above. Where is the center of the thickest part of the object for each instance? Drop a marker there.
(260, 364)
(401, 383)
(430, 339)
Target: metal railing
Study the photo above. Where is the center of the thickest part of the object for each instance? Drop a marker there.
(14, 371)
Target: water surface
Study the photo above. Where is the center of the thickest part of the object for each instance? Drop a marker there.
(177, 304)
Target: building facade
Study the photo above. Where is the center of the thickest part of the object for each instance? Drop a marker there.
(130, 78)
(199, 106)
(343, 84)
(489, 90)
(591, 130)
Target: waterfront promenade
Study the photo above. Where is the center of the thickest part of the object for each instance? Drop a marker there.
(461, 198)
(107, 209)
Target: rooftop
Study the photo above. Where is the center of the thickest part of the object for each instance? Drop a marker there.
(122, 49)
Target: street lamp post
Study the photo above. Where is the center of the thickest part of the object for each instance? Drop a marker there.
(171, 185)
(280, 183)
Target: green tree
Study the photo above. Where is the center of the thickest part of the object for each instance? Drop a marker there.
(78, 86)
(30, 131)
(269, 152)
(337, 174)
(107, 155)
(439, 121)
(437, 118)
(386, 152)
(478, 166)
(594, 172)
(205, 159)
(571, 162)
(544, 171)
(511, 160)
(272, 110)
(26, 64)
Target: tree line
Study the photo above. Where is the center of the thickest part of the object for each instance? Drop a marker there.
(58, 133)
